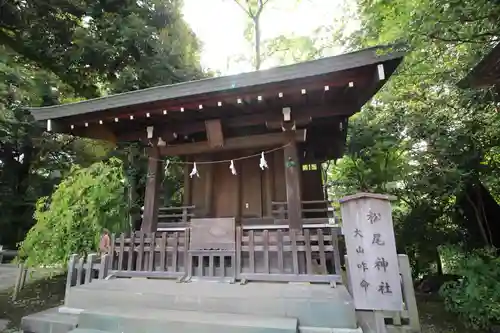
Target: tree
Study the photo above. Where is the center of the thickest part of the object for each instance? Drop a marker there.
(449, 136)
(54, 52)
(253, 9)
(88, 44)
(70, 221)
(281, 50)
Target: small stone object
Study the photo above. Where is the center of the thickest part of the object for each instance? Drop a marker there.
(3, 324)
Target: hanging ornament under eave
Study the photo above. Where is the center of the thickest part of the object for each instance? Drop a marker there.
(232, 168)
(263, 162)
(194, 172)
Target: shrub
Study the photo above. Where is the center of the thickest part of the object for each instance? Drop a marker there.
(70, 221)
(476, 296)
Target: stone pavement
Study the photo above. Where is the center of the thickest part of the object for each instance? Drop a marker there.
(9, 272)
(8, 276)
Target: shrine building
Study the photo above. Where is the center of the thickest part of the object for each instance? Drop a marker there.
(255, 244)
(290, 118)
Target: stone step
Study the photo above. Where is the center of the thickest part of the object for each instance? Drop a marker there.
(49, 321)
(150, 320)
(313, 305)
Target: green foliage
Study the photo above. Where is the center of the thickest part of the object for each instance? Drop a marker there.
(422, 138)
(91, 44)
(70, 221)
(54, 52)
(476, 297)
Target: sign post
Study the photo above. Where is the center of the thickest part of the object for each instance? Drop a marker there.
(371, 250)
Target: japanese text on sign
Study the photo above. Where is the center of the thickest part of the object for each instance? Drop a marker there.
(372, 257)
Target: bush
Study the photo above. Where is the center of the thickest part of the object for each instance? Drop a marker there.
(476, 297)
(70, 221)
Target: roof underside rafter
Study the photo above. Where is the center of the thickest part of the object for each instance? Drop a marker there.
(320, 95)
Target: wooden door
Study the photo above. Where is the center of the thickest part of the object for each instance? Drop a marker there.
(251, 186)
(225, 191)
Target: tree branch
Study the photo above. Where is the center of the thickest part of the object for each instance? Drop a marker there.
(247, 11)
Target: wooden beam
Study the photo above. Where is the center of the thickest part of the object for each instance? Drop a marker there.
(152, 195)
(273, 119)
(244, 142)
(98, 132)
(214, 133)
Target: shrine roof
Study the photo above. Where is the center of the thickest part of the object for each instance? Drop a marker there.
(193, 91)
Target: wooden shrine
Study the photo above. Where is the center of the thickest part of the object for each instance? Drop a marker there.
(254, 210)
(252, 146)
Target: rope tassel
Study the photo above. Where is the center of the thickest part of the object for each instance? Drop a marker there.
(263, 162)
(194, 172)
(232, 168)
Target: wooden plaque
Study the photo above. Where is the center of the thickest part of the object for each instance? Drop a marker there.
(213, 234)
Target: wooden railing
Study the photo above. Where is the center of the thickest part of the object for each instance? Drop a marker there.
(169, 217)
(272, 254)
(160, 254)
(283, 254)
(317, 211)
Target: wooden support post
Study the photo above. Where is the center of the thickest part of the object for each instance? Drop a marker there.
(132, 195)
(292, 178)
(209, 185)
(151, 200)
(187, 185)
(268, 181)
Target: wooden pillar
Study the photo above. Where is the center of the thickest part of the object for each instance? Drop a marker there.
(186, 200)
(209, 185)
(292, 179)
(151, 198)
(131, 192)
(268, 193)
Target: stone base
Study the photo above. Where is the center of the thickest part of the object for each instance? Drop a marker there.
(49, 321)
(150, 306)
(171, 321)
(313, 305)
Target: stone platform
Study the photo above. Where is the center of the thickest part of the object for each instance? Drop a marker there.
(150, 306)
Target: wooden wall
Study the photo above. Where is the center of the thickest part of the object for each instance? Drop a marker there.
(219, 193)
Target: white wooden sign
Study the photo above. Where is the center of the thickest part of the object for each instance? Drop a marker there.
(371, 252)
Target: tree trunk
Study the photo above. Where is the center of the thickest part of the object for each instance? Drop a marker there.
(439, 264)
(479, 220)
(256, 21)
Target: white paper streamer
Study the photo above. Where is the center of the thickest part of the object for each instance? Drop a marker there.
(232, 168)
(263, 162)
(194, 172)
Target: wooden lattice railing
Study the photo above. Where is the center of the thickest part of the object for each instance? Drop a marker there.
(272, 254)
(163, 254)
(310, 254)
